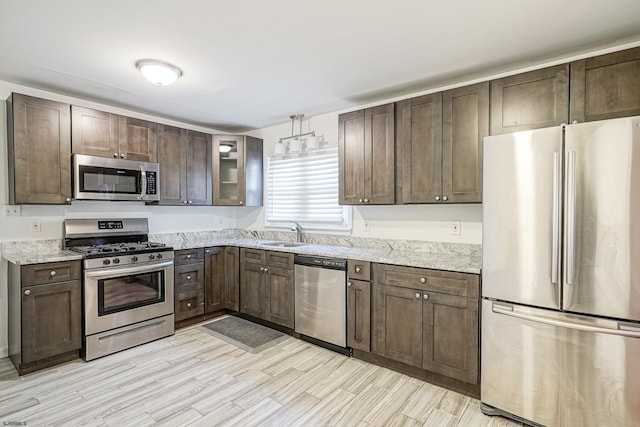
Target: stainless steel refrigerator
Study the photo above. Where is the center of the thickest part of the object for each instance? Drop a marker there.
(561, 275)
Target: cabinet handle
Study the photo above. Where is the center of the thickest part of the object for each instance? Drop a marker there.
(423, 280)
(445, 198)
(366, 200)
(349, 284)
(27, 292)
(68, 200)
(188, 305)
(262, 269)
(418, 295)
(122, 156)
(360, 200)
(189, 256)
(266, 269)
(184, 202)
(115, 155)
(437, 198)
(52, 273)
(206, 250)
(425, 296)
(189, 202)
(358, 269)
(188, 277)
(241, 202)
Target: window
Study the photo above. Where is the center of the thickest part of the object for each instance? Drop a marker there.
(304, 188)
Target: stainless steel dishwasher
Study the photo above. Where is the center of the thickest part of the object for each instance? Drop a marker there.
(321, 301)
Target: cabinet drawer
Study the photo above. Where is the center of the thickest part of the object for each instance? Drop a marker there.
(359, 270)
(253, 255)
(280, 259)
(189, 304)
(189, 256)
(446, 282)
(39, 274)
(188, 277)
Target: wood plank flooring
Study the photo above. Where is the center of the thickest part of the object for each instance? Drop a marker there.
(195, 379)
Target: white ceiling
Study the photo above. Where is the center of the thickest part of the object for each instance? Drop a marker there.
(252, 63)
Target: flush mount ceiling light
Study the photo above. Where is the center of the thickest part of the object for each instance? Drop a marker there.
(158, 72)
(224, 148)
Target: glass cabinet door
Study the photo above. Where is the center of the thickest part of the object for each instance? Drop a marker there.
(228, 157)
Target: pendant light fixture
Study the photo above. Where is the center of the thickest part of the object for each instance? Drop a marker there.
(158, 72)
(294, 141)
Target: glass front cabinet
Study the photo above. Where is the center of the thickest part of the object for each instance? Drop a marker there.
(237, 166)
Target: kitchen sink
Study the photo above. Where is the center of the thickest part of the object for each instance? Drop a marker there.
(284, 244)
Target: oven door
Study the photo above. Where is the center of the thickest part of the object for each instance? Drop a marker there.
(120, 296)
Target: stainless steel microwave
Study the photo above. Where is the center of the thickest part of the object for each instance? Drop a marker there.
(103, 178)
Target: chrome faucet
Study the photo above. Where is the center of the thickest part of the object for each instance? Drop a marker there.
(298, 229)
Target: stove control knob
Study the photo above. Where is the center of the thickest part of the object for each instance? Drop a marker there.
(134, 258)
(106, 262)
(152, 256)
(159, 256)
(116, 260)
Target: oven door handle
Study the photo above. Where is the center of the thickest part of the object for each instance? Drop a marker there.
(123, 271)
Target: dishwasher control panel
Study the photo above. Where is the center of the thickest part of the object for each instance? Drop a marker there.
(323, 262)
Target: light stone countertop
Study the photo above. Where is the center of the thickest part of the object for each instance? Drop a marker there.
(36, 252)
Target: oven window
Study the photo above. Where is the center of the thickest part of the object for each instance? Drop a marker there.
(109, 180)
(127, 292)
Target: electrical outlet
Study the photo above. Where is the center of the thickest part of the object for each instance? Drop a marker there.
(366, 226)
(12, 210)
(35, 226)
(454, 228)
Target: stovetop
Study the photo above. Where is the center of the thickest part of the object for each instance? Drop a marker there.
(115, 249)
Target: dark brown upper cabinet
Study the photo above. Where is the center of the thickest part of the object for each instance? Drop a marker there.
(465, 122)
(39, 150)
(366, 140)
(237, 165)
(98, 133)
(420, 148)
(606, 86)
(531, 100)
(185, 164)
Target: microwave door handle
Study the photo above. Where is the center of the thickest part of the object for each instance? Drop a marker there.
(143, 183)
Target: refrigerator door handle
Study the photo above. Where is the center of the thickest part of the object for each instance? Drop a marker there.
(571, 216)
(555, 250)
(508, 310)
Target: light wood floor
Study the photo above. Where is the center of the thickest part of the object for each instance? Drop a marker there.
(193, 378)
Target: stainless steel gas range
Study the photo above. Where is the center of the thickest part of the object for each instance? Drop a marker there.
(127, 284)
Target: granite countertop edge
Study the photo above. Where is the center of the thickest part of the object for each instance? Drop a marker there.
(436, 261)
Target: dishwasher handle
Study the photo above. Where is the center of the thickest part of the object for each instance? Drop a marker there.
(321, 262)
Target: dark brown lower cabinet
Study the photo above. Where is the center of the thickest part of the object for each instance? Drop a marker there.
(189, 280)
(414, 322)
(266, 286)
(45, 315)
(232, 278)
(214, 279)
(359, 315)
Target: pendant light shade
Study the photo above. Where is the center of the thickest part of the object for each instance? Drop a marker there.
(158, 72)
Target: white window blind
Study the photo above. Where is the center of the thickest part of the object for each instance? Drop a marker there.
(304, 188)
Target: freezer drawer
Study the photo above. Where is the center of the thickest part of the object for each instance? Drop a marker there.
(560, 370)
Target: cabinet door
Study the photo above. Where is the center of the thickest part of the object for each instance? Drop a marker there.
(465, 121)
(51, 320)
(94, 132)
(137, 139)
(252, 289)
(532, 100)
(351, 147)
(420, 147)
(279, 296)
(172, 157)
(250, 172)
(214, 279)
(397, 319)
(451, 336)
(359, 315)
(379, 155)
(228, 164)
(606, 86)
(199, 169)
(232, 278)
(39, 150)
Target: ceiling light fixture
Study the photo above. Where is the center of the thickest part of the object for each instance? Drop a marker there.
(158, 72)
(294, 141)
(224, 148)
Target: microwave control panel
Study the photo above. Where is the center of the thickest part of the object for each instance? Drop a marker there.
(151, 183)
